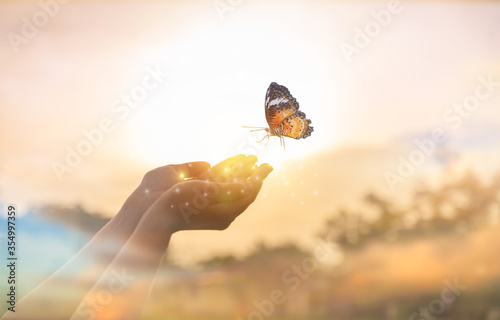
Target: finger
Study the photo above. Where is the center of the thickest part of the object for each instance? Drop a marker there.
(251, 159)
(261, 173)
(210, 190)
(219, 171)
(254, 182)
(245, 171)
(225, 165)
(237, 169)
(222, 192)
(234, 191)
(243, 166)
(190, 169)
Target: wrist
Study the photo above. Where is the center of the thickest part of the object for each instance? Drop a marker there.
(138, 201)
(155, 229)
(124, 222)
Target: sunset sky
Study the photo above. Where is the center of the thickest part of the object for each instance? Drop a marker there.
(213, 62)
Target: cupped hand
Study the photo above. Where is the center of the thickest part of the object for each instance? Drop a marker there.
(214, 198)
(157, 181)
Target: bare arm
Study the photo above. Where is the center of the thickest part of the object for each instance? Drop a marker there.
(125, 239)
(212, 205)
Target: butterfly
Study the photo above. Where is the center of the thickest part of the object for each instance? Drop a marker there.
(283, 116)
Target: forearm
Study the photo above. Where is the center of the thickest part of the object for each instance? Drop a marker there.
(122, 290)
(69, 285)
(111, 277)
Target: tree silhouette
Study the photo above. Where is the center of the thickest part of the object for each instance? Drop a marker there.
(458, 205)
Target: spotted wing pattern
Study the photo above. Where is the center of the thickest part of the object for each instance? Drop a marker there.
(296, 126)
(283, 115)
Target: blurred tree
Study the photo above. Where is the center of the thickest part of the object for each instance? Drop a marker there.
(217, 261)
(457, 205)
(76, 217)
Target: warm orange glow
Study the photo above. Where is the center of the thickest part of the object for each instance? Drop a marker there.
(403, 102)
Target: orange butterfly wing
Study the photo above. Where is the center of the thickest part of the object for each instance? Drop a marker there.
(282, 113)
(296, 126)
(279, 104)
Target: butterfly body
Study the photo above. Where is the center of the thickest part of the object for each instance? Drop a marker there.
(283, 115)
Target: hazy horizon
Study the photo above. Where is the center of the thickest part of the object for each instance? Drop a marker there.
(368, 105)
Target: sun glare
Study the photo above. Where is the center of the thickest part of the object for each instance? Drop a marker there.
(209, 96)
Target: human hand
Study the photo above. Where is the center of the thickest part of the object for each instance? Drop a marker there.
(214, 198)
(159, 180)
(155, 183)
